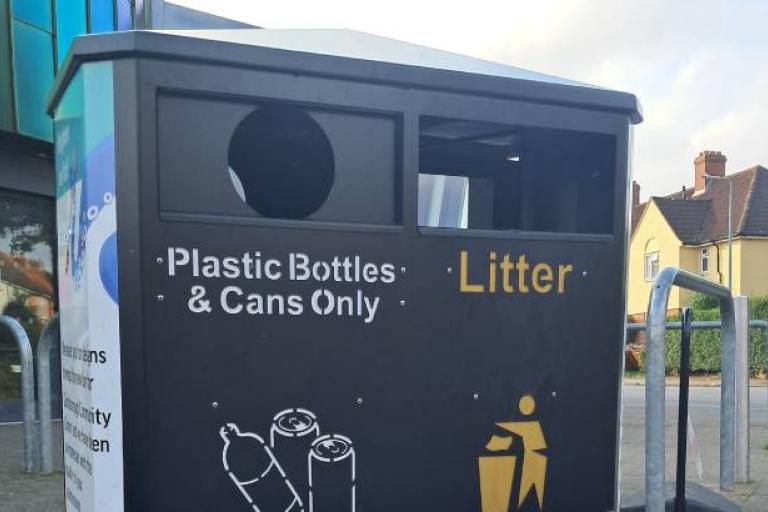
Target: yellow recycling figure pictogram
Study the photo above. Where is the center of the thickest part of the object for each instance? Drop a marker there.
(497, 470)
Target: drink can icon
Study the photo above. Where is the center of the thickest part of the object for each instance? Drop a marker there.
(332, 474)
(291, 437)
(255, 471)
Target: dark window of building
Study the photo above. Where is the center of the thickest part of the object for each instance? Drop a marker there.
(488, 176)
(33, 77)
(27, 230)
(6, 90)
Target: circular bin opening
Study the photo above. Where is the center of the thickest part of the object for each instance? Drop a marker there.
(281, 162)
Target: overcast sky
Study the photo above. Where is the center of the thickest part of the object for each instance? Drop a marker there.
(699, 67)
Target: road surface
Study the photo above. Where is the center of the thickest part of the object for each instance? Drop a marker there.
(704, 407)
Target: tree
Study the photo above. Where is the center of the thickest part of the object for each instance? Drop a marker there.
(26, 223)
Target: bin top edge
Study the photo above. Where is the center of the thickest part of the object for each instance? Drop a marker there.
(343, 54)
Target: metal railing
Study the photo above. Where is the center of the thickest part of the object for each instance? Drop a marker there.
(656, 383)
(38, 443)
(742, 420)
(49, 339)
(698, 326)
(31, 446)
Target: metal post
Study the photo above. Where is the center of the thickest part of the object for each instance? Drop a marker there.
(682, 409)
(727, 394)
(741, 312)
(655, 396)
(27, 391)
(655, 382)
(48, 339)
(730, 236)
(762, 324)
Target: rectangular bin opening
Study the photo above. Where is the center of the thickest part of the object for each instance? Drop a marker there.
(268, 160)
(489, 176)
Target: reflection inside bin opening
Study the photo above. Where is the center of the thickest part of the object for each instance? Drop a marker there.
(281, 162)
(490, 176)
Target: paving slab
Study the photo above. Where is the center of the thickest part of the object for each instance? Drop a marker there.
(704, 411)
(21, 492)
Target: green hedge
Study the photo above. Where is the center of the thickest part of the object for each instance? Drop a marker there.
(758, 307)
(705, 344)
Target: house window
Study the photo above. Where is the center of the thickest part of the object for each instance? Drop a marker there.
(651, 265)
(704, 261)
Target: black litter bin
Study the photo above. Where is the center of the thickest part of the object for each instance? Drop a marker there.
(327, 271)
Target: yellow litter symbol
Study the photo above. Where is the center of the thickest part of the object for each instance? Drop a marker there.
(497, 471)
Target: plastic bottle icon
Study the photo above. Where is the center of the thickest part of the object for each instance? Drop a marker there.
(255, 471)
(332, 474)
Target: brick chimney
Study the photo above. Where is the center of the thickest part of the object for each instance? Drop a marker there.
(635, 193)
(708, 163)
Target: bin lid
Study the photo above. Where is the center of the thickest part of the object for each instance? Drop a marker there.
(346, 54)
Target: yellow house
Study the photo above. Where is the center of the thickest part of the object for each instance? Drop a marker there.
(689, 230)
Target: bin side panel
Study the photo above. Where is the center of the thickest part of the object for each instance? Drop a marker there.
(88, 294)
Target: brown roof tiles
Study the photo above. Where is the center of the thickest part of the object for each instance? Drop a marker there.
(702, 218)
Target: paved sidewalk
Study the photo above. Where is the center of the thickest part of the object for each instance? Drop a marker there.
(20, 492)
(704, 411)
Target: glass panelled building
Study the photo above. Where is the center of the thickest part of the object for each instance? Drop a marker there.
(35, 36)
